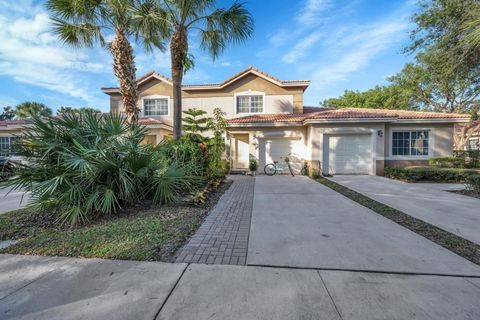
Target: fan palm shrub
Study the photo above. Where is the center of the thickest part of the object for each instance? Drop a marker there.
(88, 165)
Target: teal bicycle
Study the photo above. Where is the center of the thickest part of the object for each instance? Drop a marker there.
(274, 168)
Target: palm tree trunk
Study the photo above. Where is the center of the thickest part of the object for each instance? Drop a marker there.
(178, 51)
(125, 71)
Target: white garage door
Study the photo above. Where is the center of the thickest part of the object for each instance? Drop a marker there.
(279, 148)
(350, 154)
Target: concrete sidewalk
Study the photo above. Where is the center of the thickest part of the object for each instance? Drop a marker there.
(297, 222)
(12, 200)
(429, 202)
(67, 288)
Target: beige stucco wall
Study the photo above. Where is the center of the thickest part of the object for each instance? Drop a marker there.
(258, 135)
(277, 99)
(318, 134)
(441, 139)
(11, 131)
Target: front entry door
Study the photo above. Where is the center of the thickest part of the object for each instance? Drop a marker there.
(242, 154)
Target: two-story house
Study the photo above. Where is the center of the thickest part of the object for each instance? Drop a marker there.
(268, 121)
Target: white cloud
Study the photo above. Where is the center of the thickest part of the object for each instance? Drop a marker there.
(30, 53)
(357, 49)
(311, 12)
(301, 48)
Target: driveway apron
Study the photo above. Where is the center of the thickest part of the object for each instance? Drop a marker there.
(430, 202)
(297, 222)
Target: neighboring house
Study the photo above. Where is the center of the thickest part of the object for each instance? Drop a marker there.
(267, 121)
(9, 132)
(467, 136)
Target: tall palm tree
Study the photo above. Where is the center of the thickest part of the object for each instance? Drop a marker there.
(83, 23)
(215, 26)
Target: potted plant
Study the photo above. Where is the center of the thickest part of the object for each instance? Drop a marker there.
(253, 166)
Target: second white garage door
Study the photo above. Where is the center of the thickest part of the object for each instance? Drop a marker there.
(350, 154)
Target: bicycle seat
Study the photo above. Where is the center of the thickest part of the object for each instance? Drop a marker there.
(275, 162)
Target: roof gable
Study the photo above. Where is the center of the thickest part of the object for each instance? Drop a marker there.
(212, 86)
(244, 73)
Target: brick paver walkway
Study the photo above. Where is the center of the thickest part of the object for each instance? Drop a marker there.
(223, 236)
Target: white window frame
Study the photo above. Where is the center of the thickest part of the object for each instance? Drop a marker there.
(411, 157)
(476, 141)
(154, 97)
(11, 154)
(250, 93)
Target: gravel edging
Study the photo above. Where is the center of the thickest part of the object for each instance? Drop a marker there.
(450, 241)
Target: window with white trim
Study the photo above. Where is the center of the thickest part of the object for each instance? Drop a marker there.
(410, 143)
(474, 144)
(7, 146)
(250, 104)
(155, 107)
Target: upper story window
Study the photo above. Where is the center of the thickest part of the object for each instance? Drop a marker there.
(410, 143)
(6, 146)
(155, 106)
(250, 103)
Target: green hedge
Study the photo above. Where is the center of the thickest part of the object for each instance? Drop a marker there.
(415, 174)
(472, 183)
(455, 162)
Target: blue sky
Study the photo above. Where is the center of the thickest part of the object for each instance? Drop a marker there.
(337, 44)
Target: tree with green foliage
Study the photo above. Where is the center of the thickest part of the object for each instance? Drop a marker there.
(195, 124)
(215, 27)
(217, 166)
(432, 86)
(62, 110)
(380, 97)
(445, 75)
(29, 109)
(82, 23)
(7, 114)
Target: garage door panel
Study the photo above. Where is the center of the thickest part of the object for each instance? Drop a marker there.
(349, 154)
(279, 148)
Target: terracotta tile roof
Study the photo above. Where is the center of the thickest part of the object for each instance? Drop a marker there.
(315, 113)
(147, 121)
(149, 74)
(248, 70)
(16, 122)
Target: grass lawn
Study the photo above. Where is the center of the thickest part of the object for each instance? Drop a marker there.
(450, 241)
(138, 233)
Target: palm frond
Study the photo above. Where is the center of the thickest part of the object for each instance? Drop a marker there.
(77, 35)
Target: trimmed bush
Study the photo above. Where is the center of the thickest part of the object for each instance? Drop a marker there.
(472, 183)
(416, 174)
(448, 162)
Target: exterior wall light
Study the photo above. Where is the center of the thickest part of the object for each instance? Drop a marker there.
(380, 133)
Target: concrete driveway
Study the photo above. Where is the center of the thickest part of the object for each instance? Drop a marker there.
(429, 202)
(66, 288)
(11, 200)
(297, 222)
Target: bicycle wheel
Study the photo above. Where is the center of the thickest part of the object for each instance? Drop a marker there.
(270, 169)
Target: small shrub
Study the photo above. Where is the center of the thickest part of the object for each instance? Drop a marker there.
(447, 162)
(416, 174)
(472, 183)
(253, 165)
